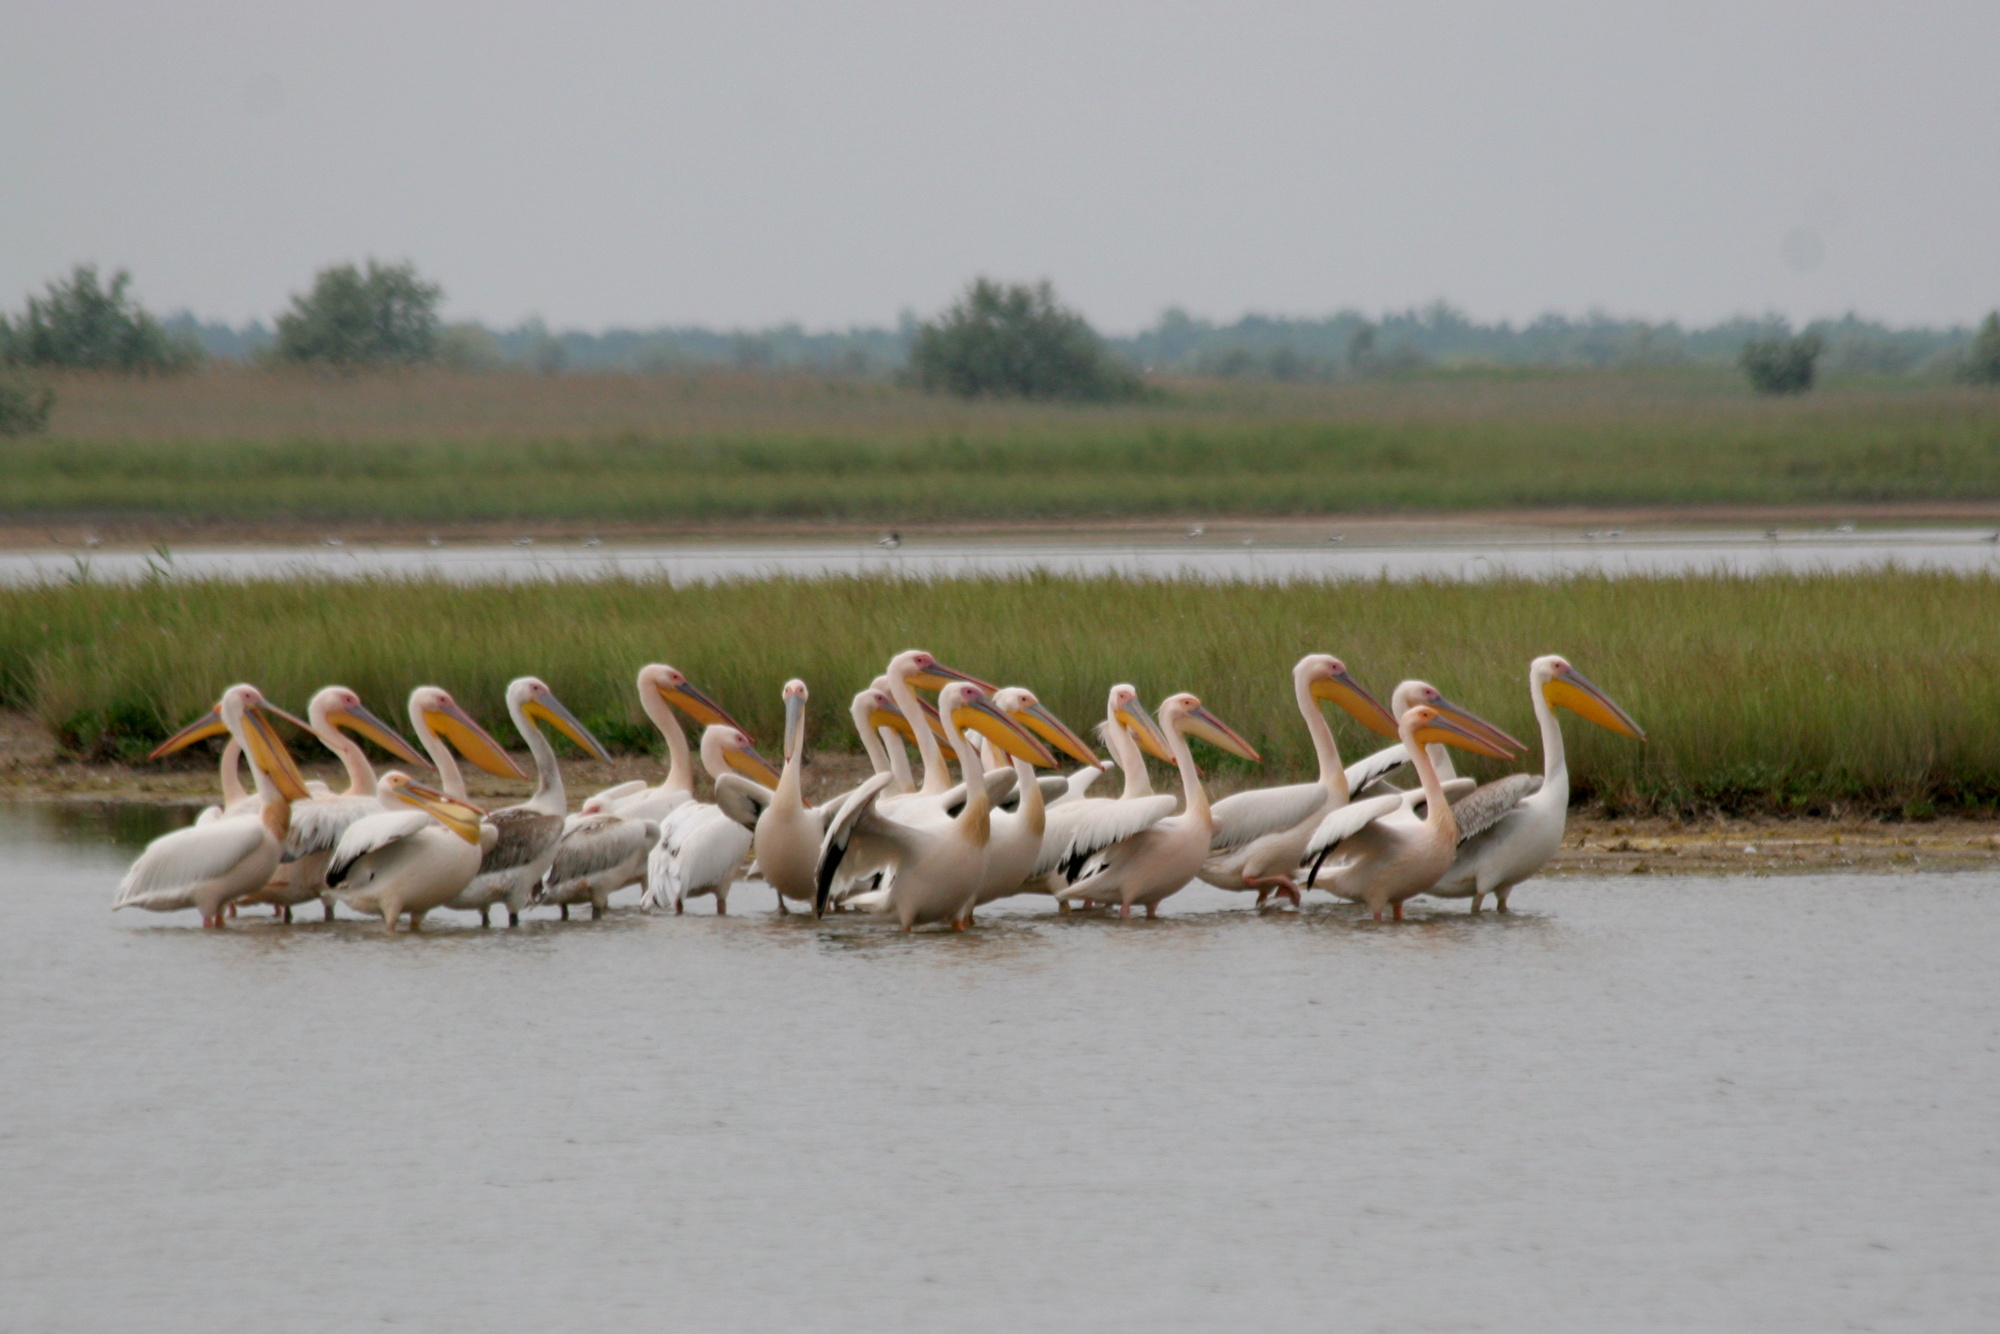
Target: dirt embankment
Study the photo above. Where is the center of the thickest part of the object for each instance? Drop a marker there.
(33, 769)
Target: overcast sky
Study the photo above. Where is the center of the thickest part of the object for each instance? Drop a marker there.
(741, 164)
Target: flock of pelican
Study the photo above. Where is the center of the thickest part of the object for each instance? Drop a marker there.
(913, 845)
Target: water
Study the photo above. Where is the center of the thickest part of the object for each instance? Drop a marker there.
(1222, 555)
(1642, 1103)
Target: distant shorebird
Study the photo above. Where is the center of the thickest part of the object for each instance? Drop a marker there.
(593, 541)
(92, 540)
(1771, 533)
(435, 540)
(1616, 532)
(1337, 537)
(890, 540)
(1249, 541)
(332, 542)
(1195, 532)
(1844, 528)
(524, 541)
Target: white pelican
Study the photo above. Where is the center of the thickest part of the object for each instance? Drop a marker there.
(1260, 835)
(320, 820)
(1162, 858)
(662, 689)
(413, 854)
(440, 725)
(700, 848)
(1014, 848)
(207, 866)
(520, 856)
(1385, 855)
(935, 866)
(881, 727)
(234, 794)
(597, 856)
(786, 831)
(1082, 827)
(1508, 829)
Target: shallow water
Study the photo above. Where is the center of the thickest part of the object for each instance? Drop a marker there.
(1219, 556)
(1640, 1103)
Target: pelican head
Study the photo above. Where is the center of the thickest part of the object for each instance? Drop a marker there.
(968, 708)
(1020, 704)
(211, 724)
(434, 710)
(537, 703)
(923, 671)
(671, 685)
(1412, 693)
(873, 710)
(1185, 712)
(243, 709)
(795, 718)
(723, 746)
(461, 817)
(1564, 687)
(1425, 725)
(1127, 709)
(1326, 677)
(341, 708)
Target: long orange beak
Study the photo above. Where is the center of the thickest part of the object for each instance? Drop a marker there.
(1365, 709)
(1570, 690)
(471, 740)
(362, 722)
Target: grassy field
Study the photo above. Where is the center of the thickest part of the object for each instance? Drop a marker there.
(248, 445)
(1802, 694)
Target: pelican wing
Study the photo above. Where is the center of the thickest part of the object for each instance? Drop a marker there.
(318, 823)
(371, 833)
(1077, 785)
(700, 848)
(1248, 816)
(1078, 830)
(1348, 821)
(858, 829)
(594, 844)
(1374, 768)
(1455, 792)
(1490, 804)
(177, 862)
(525, 835)
(999, 786)
(742, 799)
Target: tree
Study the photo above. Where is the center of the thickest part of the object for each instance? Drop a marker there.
(1017, 342)
(1982, 363)
(386, 316)
(24, 407)
(83, 325)
(1780, 364)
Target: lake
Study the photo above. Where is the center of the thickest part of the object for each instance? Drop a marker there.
(1641, 1103)
(1420, 551)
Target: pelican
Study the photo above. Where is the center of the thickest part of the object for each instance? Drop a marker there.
(662, 689)
(1508, 829)
(234, 795)
(881, 727)
(1161, 858)
(1014, 848)
(1083, 826)
(1385, 861)
(414, 854)
(440, 725)
(935, 866)
(207, 866)
(597, 856)
(700, 848)
(1260, 835)
(526, 845)
(786, 831)
(320, 820)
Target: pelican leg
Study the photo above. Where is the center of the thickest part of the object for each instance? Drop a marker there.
(327, 905)
(564, 910)
(677, 907)
(1500, 898)
(596, 910)
(513, 916)
(1478, 898)
(417, 919)
(1124, 911)
(1262, 894)
(1399, 910)
(232, 910)
(783, 911)
(285, 912)
(1152, 911)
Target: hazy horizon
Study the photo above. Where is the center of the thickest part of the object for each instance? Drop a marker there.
(731, 167)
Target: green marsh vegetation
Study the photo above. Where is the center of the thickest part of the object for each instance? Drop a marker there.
(685, 449)
(1805, 694)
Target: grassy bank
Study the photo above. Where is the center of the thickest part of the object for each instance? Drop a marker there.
(240, 445)
(1810, 694)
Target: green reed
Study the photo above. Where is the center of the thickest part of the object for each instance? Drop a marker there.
(1803, 692)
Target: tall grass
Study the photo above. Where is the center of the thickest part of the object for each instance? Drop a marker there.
(1809, 693)
(605, 449)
